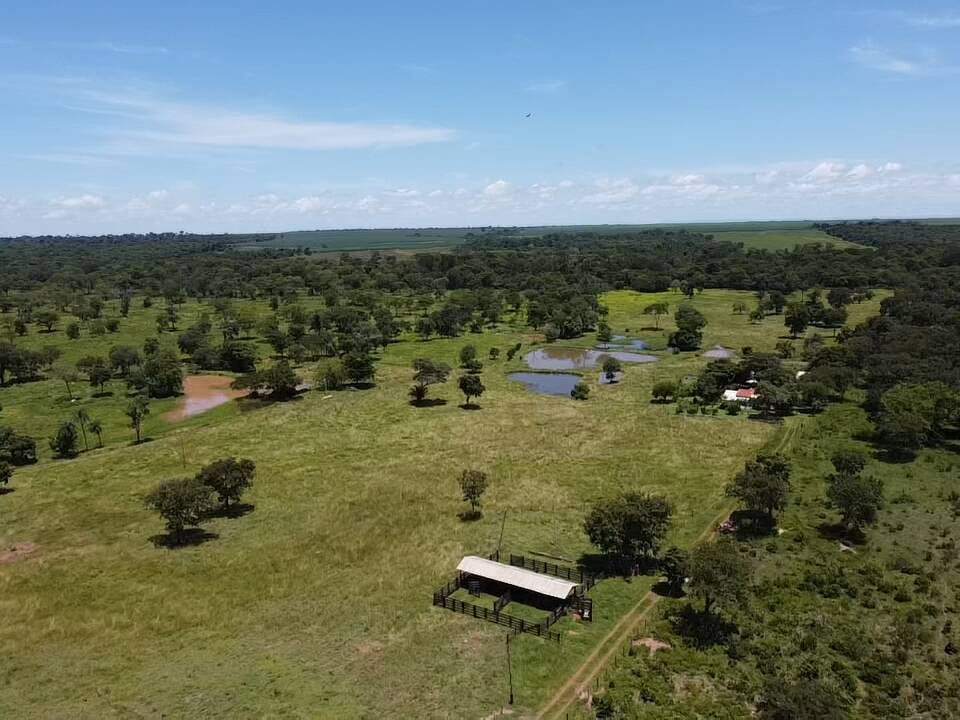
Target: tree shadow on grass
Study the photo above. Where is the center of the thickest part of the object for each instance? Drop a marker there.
(663, 589)
(429, 402)
(894, 456)
(470, 515)
(104, 394)
(363, 386)
(7, 490)
(469, 406)
(840, 533)
(190, 537)
(700, 629)
(751, 524)
(236, 510)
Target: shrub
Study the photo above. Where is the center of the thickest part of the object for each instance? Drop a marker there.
(581, 391)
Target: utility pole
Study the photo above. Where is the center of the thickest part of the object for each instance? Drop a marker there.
(509, 669)
(500, 541)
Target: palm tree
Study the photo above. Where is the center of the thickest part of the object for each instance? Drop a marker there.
(83, 417)
(96, 427)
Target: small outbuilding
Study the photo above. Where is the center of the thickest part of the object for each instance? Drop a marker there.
(741, 395)
(526, 586)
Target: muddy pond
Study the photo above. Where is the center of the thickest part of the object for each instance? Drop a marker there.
(202, 393)
(547, 383)
(559, 358)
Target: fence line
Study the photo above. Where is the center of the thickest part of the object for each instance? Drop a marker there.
(547, 568)
(518, 625)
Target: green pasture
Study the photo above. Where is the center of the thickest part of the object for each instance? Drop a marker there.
(317, 603)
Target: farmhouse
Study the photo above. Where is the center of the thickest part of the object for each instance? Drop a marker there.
(530, 587)
(740, 395)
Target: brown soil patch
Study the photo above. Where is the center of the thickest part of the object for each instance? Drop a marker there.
(17, 552)
(652, 644)
(202, 393)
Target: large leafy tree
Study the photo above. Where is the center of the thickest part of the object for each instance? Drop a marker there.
(630, 527)
(228, 478)
(719, 574)
(763, 485)
(471, 387)
(181, 503)
(426, 373)
(689, 333)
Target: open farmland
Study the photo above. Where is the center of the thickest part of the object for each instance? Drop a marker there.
(762, 235)
(318, 601)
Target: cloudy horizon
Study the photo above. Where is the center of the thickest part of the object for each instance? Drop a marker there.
(148, 121)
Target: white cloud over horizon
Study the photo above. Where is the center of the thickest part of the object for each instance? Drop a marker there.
(817, 190)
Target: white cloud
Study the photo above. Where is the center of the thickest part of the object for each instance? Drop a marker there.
(688, 180)
(931, 21)
(858, 172)
(182, 209)
(613, 192)
(876, 58)
(158, 195)
(545, 88)
(79, 202)
(891, 167)
(826, 170)
(313, 204)
(497, 189)
(113, 47)
(164, 122)
(767, 177)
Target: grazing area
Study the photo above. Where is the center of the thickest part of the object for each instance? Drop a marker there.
(275, 480)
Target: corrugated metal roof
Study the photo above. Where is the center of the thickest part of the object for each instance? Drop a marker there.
(518, 577)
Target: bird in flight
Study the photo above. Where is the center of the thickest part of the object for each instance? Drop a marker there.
(528, 115)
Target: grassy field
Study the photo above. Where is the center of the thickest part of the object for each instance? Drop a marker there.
(317, 603)
(763, 235)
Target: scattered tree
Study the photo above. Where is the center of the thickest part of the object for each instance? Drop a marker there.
(96, 427)
(629, 528)
(229, 478)
(581, 391)
(690, 323)
(471, 387)
(763, 486)
(473, 484)
(611, 366)
(719, 574)
(657, 310)
(664, 390)
(64, 442)
(673, 566)
(137, 410)
(181, 503)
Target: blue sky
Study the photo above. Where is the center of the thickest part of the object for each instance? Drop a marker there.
(215, 116)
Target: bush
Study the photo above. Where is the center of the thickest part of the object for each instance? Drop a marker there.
(64, 443)
(581, 391)
(330, 375)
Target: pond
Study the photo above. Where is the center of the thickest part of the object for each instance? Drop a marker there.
(719, 352)
(622, 344)
(547, 383)
(559, 358)
(202, 393)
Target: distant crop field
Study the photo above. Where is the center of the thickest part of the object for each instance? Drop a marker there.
(781, 239)
(358, 240)
(763, 235)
